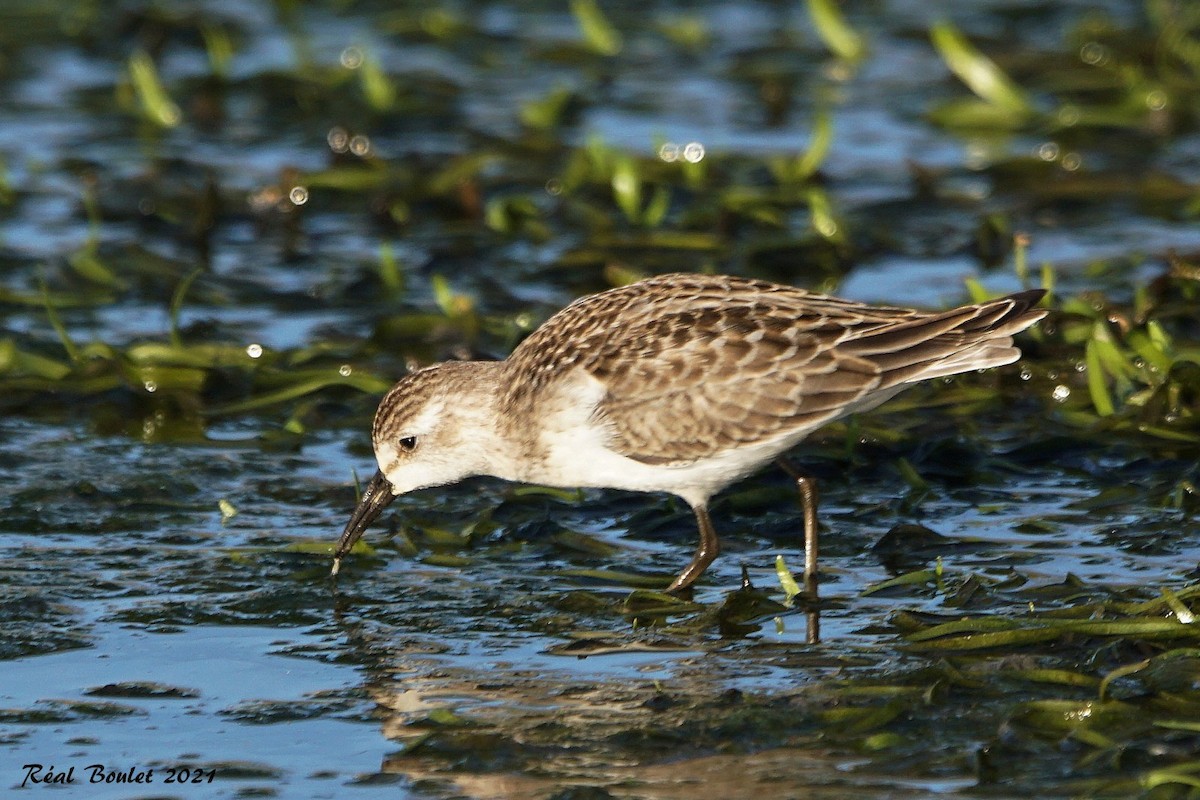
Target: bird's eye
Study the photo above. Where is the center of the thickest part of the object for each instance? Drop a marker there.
(408, 444)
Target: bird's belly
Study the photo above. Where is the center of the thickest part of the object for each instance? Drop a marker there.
(584, 461)
(570, 449)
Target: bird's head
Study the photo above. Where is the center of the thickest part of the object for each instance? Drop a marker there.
(432, 428)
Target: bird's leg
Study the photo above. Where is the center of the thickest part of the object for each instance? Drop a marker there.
(808, 505)
(708, 549)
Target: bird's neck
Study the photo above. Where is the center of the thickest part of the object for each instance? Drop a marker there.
(485, 439)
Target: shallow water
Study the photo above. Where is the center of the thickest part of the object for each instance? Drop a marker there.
(164, 592)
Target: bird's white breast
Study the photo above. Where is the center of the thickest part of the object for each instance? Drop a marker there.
(572, 451)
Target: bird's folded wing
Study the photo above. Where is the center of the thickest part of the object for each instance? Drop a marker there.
(682, 388)
(693, 365)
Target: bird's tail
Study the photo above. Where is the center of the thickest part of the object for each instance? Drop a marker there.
(971, 337)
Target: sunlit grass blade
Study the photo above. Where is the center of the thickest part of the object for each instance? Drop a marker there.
(1166, 433)
(533, 490)
(842, 40)
(156, 105)
(582, 543)
(1056, 677)
(1050, 630)
(823, 219)
(547, 113)
(1181, 611)
(1117, 674)
(910, 475)
(976, 291)
(377, 87)
(391, 275)
(57, 323)
(1177, 775)
(818, 146)
(978, 72)
(13, 360)
(971, 625)
(219, 46)
(862, 720)
(1097, 386)
(616, 576)
(452, 304)
(156, 378)
(177, 305)
(790, 588)
(360, 177)
(923, 577)
(203, 354)
(1153, 345)
(364, 383)
(598, 32)
(88, 266)
(627, 188)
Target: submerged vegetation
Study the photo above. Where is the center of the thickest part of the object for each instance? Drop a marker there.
(216, 258)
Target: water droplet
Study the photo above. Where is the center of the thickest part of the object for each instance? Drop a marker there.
(1093, 53)
(254, 350)
(298, 195)
(669, 152)
(1047, 151)
(554, 187)
(1061, 392)
(1026, 374)
(1071, 161)
(360, 145)
(338, 139)
(344, 370)
(693, 152)
(1156, 100)
(151, 386)
(351, 58)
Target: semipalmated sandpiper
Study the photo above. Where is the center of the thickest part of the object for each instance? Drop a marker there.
(680, 383)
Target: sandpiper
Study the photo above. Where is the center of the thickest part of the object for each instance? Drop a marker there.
(680, 384)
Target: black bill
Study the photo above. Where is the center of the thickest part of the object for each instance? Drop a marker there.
(375, 499)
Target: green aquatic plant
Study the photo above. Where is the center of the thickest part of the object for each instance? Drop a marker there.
(1000, 102)
(377, 86)
(551, 111)
(1139, 376)
(628, 188)
(391, 272)
(837, 34)
(599, 34)
(7, 195)
(799, 169)
(218, 44)
(153, 101)
(1114, 87)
